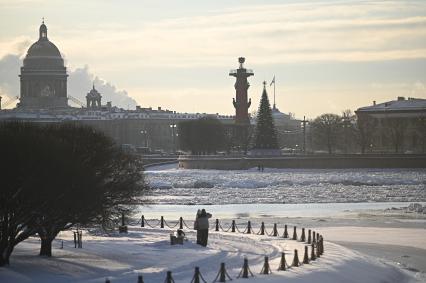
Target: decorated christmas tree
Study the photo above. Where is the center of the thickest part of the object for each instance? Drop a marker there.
(265, 135)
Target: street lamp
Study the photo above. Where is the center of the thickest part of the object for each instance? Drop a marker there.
(145, 134)
(173, 127)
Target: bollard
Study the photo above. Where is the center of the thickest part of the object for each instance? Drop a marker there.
(248, 227)
(285, 232)
(245, 271)
(197, 276)
(222, 274)
(162, 222)
(217, 225)
(309, 236)
(313, 257)
(140, 279)
(275, 233)
(181, 223)
(143, 221)
(62, 244)
(75, 240)
(318, 251)
(322, 245)
(266, 269)
(313, 237)
(283, 264)
(169, 278)
(262, 229)
(294, 233)
(123, 227)
(303, 237)
(296, 261)
(305, 256)
(80, 245)
(233, 226)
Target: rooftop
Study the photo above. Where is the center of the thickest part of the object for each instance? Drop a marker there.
(400, 104)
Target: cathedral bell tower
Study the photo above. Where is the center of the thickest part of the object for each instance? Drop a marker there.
(240, 101)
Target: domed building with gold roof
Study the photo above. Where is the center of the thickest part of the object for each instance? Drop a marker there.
(43, 76)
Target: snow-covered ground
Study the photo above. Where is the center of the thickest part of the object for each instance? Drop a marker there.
(121, 258)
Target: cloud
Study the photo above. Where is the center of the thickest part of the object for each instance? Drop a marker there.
(79, 83)
(268, 34)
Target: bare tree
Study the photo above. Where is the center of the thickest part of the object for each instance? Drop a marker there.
(326, 130)
(365, 130)
(396, 127)
(60, 175)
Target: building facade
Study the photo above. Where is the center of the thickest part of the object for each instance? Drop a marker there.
(397, 126)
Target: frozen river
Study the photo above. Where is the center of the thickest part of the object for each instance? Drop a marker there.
(285, 186)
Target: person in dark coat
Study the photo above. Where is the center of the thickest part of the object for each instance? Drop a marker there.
(203, 227)
(196, 225)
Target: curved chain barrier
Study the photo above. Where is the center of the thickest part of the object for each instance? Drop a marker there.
(171, 227)
(152, 226)
(186, 225)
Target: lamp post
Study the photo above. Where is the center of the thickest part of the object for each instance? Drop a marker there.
(173, 127)
(145, 134)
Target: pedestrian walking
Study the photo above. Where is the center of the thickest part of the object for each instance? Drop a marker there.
(203, 227)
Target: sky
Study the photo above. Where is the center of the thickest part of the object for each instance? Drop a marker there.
(327, 56)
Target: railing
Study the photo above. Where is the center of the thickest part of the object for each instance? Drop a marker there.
(313, 240)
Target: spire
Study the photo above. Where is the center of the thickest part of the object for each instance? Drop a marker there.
(264, 85)
(43, 31)
(93, 84)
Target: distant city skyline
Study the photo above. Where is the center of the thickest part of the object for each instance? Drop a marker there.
(326, 56)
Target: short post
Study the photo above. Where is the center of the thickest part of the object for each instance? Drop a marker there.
(305, 256)
(162, 222)
(169, 278)
(313, 237)
(123, 227)
(80, 240)
(107, 280)
(197, 276)
(309, 236)
(233, 226)
(322, 245)
(303, 237)
(266, 269)
(285, 232)
(313, 256)
(180, 223)
(318, 247)
(275, 232)
(294, 233)
(296, 261)
(62, 244)
(283, 263)
(222, 274)
(262, 228)
(75, 240)
(140, 279)
(217, 225)
(249, 227)
(143, 221)
(245, 271)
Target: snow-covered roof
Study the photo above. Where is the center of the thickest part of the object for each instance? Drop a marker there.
(401, 104)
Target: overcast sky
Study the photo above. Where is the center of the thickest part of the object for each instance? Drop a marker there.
(327, 56)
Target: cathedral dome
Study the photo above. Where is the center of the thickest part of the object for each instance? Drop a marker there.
(43, 53)
(43, 48)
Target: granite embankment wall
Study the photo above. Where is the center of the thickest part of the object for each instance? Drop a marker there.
(301, 161)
